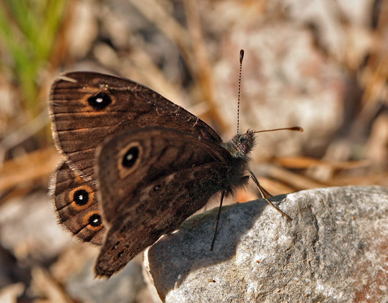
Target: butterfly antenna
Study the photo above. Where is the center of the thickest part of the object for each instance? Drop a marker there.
(238, 129)
(294, 128)
(239, 91)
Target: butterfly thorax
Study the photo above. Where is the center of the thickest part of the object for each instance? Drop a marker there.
(241, 145)
(239, 148)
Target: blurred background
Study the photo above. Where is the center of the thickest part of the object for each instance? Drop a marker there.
(322, 65)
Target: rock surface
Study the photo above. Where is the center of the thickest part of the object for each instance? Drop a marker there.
(334, 250)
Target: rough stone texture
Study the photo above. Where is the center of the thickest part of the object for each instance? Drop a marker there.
(335, 250)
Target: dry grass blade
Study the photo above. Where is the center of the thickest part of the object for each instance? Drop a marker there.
(204, 74)
(366, 179)
(276, 187)
(295, 180)
(306, 162)
(10, 293)
(158, 81)
(30, 167)
(156, 14)
(45, 284)
(22, 134)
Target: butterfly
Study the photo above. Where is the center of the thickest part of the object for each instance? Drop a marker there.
(135, 165)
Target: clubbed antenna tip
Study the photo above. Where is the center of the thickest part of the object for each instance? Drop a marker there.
(239, 91)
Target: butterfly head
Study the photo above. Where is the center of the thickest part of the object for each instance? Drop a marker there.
(241, 145)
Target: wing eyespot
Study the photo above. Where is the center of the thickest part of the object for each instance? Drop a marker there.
(130, 157)
(95, 220)
(115, 246)
(121, 252)
(81, 197)
(100, 101)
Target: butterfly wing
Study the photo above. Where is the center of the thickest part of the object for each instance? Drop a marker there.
(76, 205)
(150, 180)
(87, 107)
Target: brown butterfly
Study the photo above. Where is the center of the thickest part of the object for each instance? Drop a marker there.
(135, 164)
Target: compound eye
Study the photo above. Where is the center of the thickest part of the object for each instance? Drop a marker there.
(244, 147)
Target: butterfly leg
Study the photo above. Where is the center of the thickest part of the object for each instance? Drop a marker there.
(263, 193)
(267, 194)
(218, 219)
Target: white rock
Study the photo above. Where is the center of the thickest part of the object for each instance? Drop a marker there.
(333, 251)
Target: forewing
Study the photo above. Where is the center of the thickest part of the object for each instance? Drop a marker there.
(87, 107)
